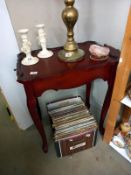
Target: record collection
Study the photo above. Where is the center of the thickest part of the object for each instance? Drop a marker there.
(73, 125)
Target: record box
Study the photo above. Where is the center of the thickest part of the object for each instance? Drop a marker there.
(76, 143)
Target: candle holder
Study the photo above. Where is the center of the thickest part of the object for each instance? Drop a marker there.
(71, 52)
(42, 40)
(26, 48)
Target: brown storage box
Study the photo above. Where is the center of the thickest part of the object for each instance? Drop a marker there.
(74, 126)
(76, 143)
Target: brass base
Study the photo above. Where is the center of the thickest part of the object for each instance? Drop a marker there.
(71, 56)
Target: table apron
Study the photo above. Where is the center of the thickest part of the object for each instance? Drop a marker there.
(66, 82)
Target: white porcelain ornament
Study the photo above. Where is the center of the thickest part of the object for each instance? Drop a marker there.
(26, 48)
(45, 53)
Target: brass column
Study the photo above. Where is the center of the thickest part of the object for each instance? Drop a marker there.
(71, 52)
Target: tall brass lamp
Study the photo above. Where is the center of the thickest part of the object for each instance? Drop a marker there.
(71, 52)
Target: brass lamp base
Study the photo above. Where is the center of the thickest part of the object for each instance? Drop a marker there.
(71, 52)
(74, 56)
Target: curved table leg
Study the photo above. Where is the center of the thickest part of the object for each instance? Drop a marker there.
(105, 108)
(88, 90)
(38, 108)
(32, 106)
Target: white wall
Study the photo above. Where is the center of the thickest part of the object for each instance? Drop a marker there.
(12, 90)
(100, 20)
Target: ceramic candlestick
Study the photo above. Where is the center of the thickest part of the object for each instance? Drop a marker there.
(45, 53)
(26, 48)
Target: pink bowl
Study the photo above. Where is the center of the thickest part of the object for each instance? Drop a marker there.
(99, 51)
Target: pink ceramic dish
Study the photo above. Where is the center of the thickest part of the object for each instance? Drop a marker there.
(99, 51)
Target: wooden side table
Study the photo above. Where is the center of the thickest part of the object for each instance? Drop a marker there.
(55, 74)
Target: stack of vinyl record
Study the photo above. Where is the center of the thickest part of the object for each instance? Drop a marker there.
(70, 117)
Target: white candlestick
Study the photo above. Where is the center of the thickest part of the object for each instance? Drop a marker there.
(26, 48)
(42, 40)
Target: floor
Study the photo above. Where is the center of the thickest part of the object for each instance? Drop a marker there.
(21, 154)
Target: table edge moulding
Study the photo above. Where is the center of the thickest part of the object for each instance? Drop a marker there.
(52, 73)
